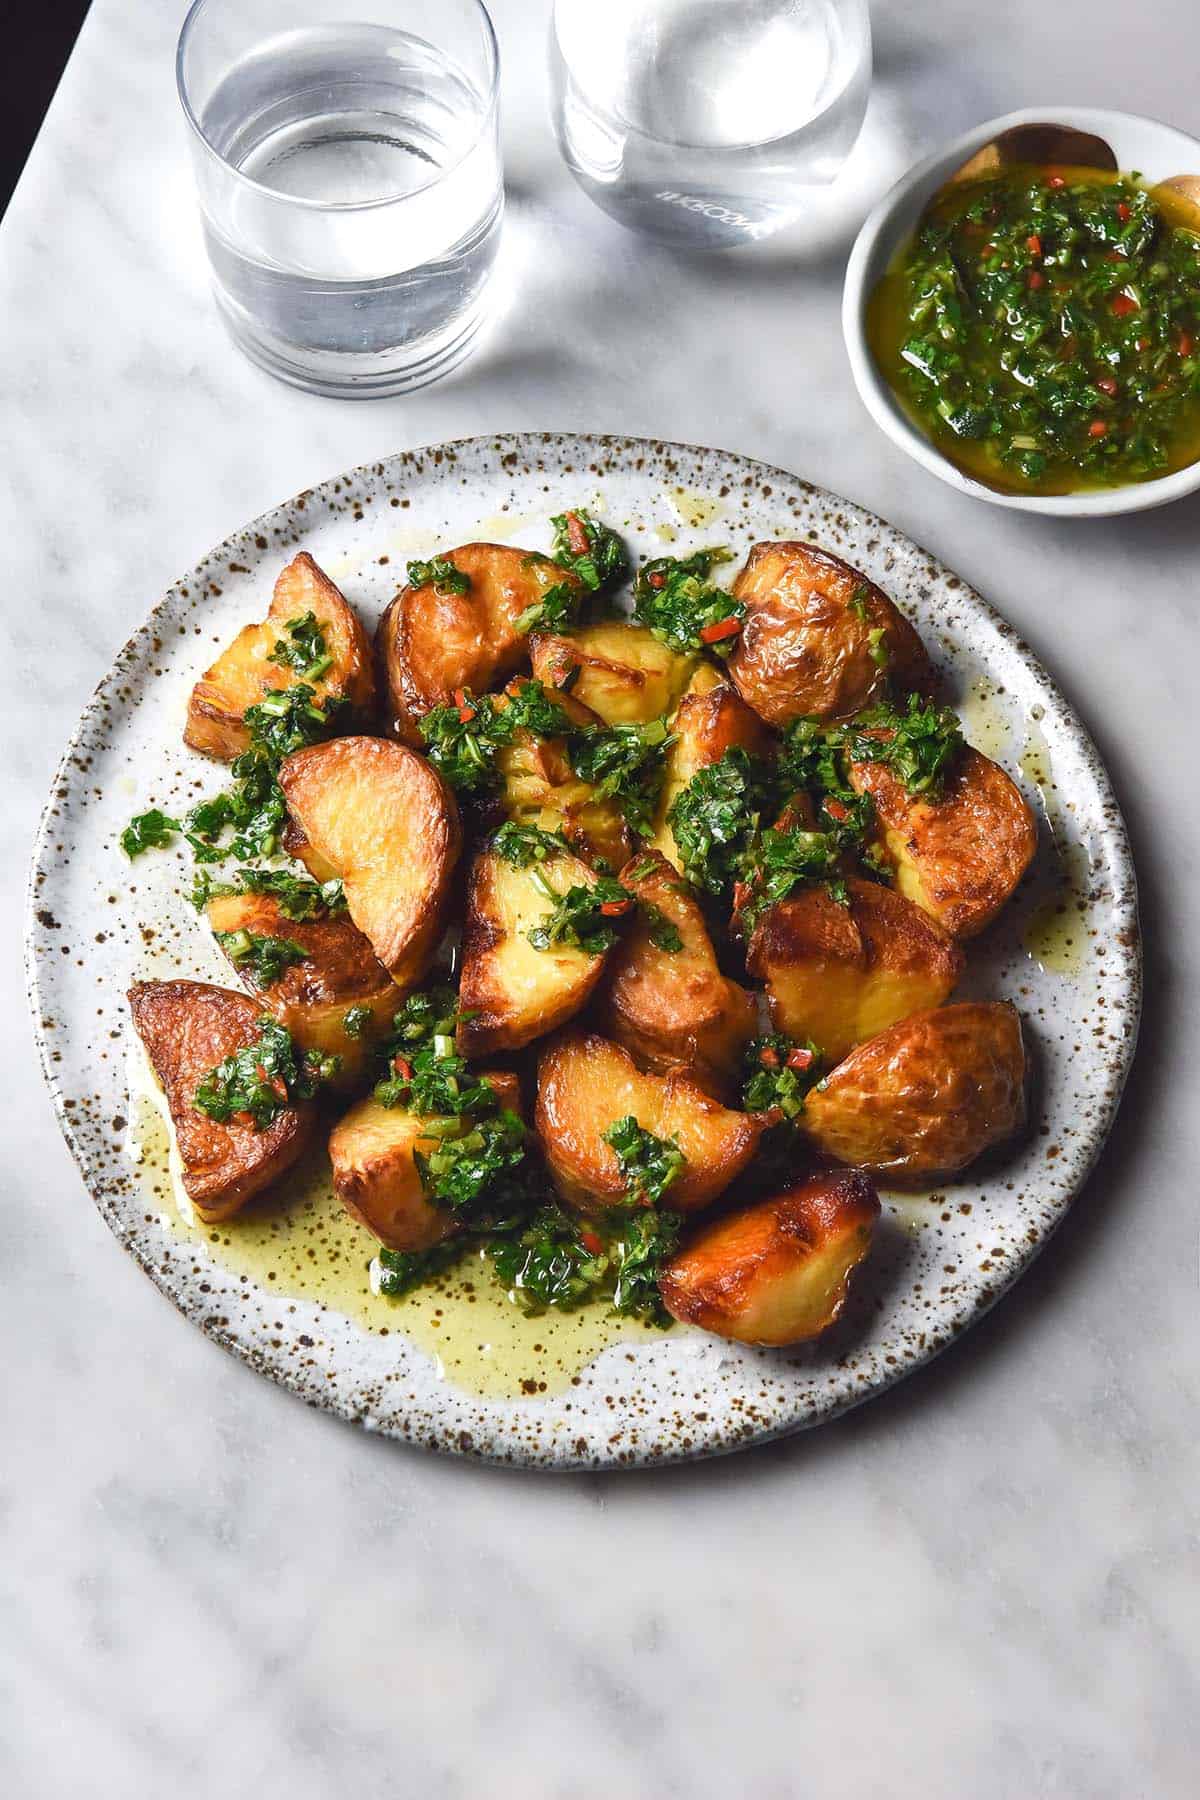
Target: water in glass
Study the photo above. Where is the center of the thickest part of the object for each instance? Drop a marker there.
(703, 121)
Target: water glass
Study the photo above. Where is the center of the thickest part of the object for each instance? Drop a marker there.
(348, 165)
(704, 121)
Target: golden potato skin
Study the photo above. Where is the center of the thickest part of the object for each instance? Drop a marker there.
(243, 672)
(428, 644)
(377, 1181)
(514, 992)
(805, 648)
(311, 998)
(621, 671)
(837, 974)
(387, 823)
(777, 1272)
(960, 857)
(586, 1083)
(674, 1008)
(922, 1100)
(540, 787)
(711, 719)
(188, 1027)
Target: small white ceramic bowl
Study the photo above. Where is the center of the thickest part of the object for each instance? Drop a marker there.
(1155, 151)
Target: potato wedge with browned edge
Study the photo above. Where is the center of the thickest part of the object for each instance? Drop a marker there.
(674, 1008)
(711, 719)
(388, 824)
(340, 971)
(511, 992)
(777, 1272)
(837, 974)
(188, 1027)
(586, 1084)
(619, 670)
(819, 640)
(244, 672)
(922, 1100)
(431, 642)
(377, 1181)
(540, 787)
(296, 845)
(958, 857)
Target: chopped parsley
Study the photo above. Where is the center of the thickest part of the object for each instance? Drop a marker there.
(521, 845)
(400, 1271)
(255, 1084)
(584, 918)
(648, 1164)
(675, 600)
(778, 1072)
(779, 861)
(355, 1021)
(716, 816)
(663, 932)
(441, 573)
(624, 763)
(644, 1242)
(920, 743)
(588, 549)
(461, 739)
(303, 648)
(551, 1261)
(265, 959)
(557, 609)
(297, 896)
(152, 830)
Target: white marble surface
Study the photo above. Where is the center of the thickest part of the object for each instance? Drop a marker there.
(983, 1584)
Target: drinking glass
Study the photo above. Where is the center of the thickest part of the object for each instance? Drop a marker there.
(704, 121)
(348, 166)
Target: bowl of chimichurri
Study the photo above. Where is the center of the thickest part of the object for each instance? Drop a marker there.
(1032, 334)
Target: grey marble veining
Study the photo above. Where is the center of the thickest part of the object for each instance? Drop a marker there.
(983, 1584)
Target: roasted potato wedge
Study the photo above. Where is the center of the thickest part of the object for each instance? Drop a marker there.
(430, 643)
(820, 640)
(838, 974)
(244, 672)
(711, 719)
(376, 1179)
(188, 1027)
(311, 998)
(514, 992)
(296, 845)
(586, 1083)
(619, 670)
(922, 1100)
(674, 1008)
(960, 857)
(388, 824)
(539, 787)
(779, 1271)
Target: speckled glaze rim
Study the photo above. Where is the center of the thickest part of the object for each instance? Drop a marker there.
(445, 1429)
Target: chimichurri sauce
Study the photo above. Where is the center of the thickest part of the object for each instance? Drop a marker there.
(1043, 326)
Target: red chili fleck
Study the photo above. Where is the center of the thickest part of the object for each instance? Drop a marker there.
(1123, 305)
(800, 1059)
(243, 1118)
(741, 893)
(1142, 344)
(613, 909)
(836, 810)
(1107, 384)
(1057, 181)
(279, 1088)
(466, 712)
(988, 250)
(768, 1057)
(1036, 278)
(402, 1067)
(578, 541)
(591, 1243)
(1114, 256)
(657, 580)
(1098, 428)
(1124, 211)
(720, 628)
(1034, 243)
(1186, 343)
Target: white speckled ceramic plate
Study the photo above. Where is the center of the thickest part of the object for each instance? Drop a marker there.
(1066, 952)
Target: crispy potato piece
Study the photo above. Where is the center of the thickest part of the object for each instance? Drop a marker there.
(838, 974)
(388, 824)
(188, 1027)
(539, 787)
(515, 992)
(624, 673)
(428, 643)
(311, 998)
(779, 1271)
(296, 845)
(807, 647)
(244, 672)
(376, 1179)
(922, 1100)
(674, 1008)
(586, 1083)
(711, 719)
(958, 858)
